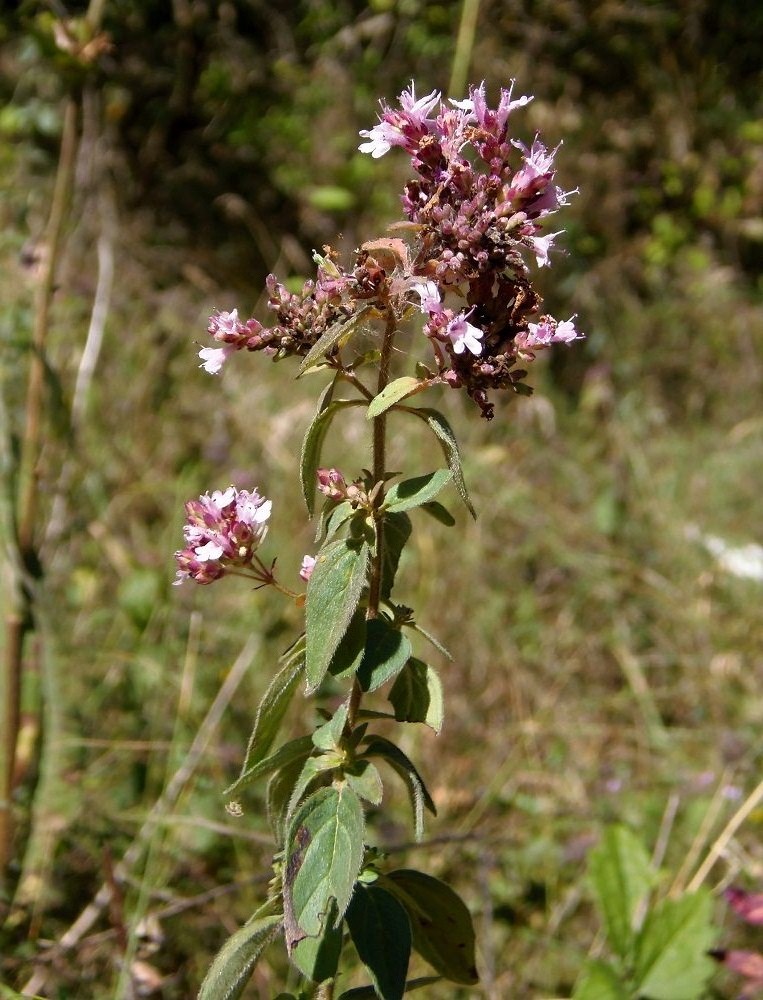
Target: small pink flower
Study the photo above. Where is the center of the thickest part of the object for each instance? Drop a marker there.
(541, 246)
(213, 358)
(548, 331)
(748, 905)
(306, 570)
(464, 335)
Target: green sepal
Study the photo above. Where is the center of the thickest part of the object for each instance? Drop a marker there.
(379, 746)
(417, 491)
(417, 695)
(444, 434)
(336, 333)
(441, 924)
(234, 963)
(333, 594)
(280, 758)
(381, 932)
(323, 856)
(386, 653)
(393, 393)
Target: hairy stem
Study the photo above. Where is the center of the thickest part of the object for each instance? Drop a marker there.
(378, 463)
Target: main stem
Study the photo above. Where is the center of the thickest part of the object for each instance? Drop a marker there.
(378, 468)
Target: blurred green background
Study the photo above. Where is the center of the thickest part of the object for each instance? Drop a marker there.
(607, 656)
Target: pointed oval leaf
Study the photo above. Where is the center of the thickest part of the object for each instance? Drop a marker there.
(381, 933)
(364, 778)
(337, 332)
(401, 388)
(417, 695)
(415, 492)
(379, 746)
(397, 531)
(329, 735)
(312, 444)
(369, 993)
(280, 790)
(233, 965)
(621, 875)
(436, 510)
(671, 951)
(333, 594)
(274, 704)
(386, 653)
(318, 957)
(282, 757)
(442, 927)
(444, 434)
(324, 852)
(349, 652)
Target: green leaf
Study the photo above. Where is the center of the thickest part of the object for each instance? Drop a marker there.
(333, 594)
(281, 758)
(280, 789)
(379, 746)
(318, 957)
(381, 933)
(364, 778)
(442, 928)
(234, 963)
(401, 388)
(314, 767)
(274, 704)
(599, 982)
(333, 516)
(436, 510)
(312, 444)
(671, 960)
(444, 434)
(349, 652)
(415, 492)
(324, 852)
(369, 993)
(387, 651)
(329, 735)
(621, 876)
(417, 695)
(339, 331)
(397, 531)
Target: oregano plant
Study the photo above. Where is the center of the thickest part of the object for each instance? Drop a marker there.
(450, 295)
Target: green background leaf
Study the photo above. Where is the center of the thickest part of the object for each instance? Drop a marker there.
(671, 951)
(621, 876)
(441, 924)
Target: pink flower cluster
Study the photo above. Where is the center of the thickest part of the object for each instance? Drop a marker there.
(222, 532)
(479, 218)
